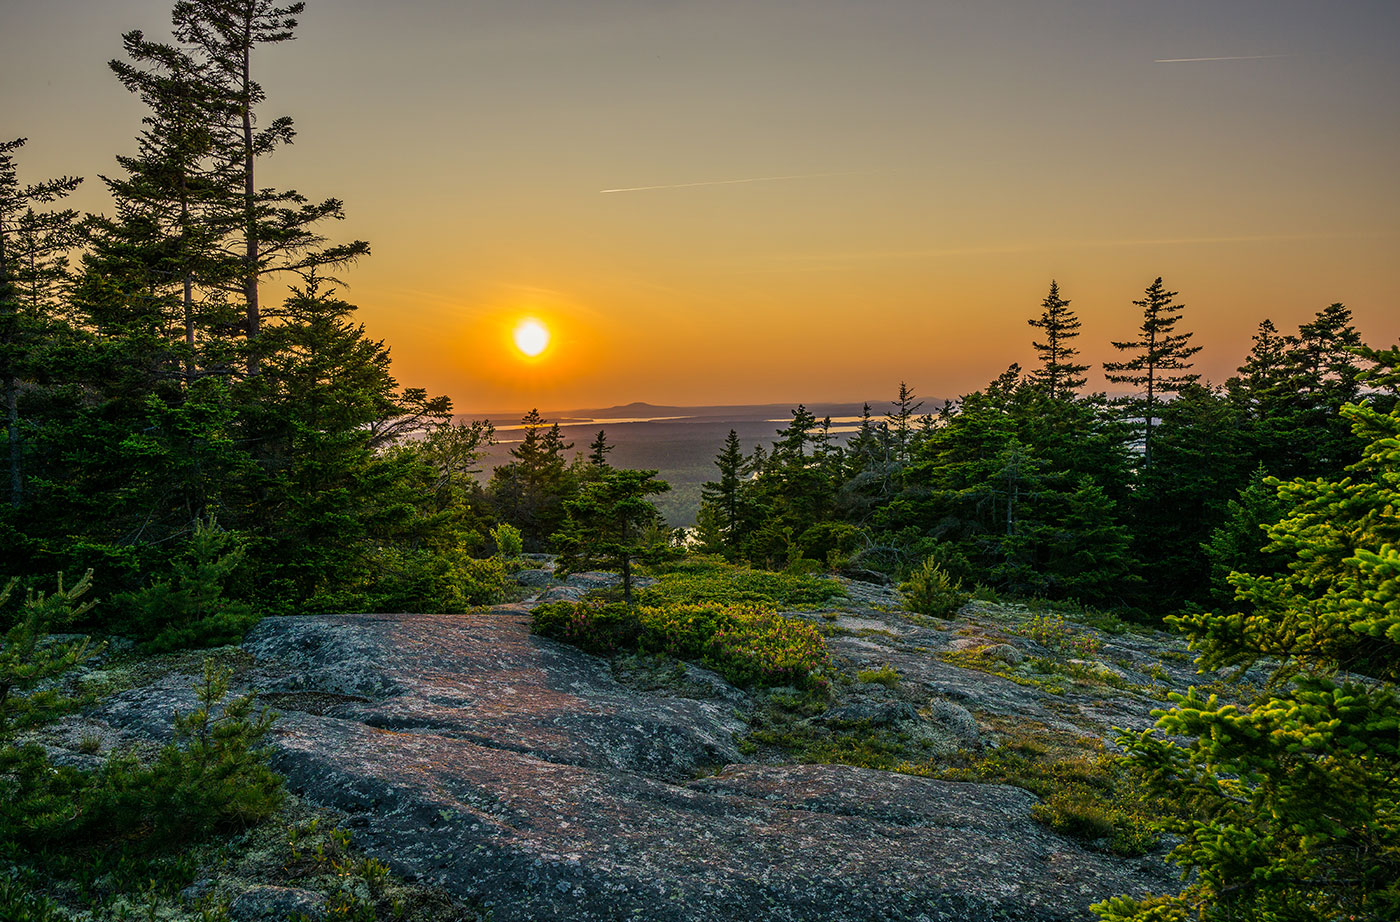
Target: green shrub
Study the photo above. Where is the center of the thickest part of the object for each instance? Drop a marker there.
(748, 645)
(929, 590)
(213, 776)
(28, 658)
(510, 544)
(439, 582)
(887, 676)
(190, 608)
(594, 627)
(701, 579)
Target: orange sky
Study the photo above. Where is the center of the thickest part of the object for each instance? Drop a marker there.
(941, 162)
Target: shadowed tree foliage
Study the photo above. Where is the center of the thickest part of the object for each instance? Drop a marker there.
(266, 230)
(530, 491)
(1289, 805)
(31, 244)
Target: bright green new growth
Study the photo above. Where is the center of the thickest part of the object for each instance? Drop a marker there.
(27, 659)
(749, 645)
(929, 590)
(508, 540)
(1290, 806)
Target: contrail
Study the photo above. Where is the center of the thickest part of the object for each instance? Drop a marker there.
(720, 182)
(1229, 57)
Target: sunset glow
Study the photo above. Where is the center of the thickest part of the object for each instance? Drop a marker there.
(699, 198)
(531, 337)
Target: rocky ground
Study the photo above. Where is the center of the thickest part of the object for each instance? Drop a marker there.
(523, 778)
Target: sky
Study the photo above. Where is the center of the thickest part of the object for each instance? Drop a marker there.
(753, 201)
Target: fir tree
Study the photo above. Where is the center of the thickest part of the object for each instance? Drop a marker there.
(1289, 801)
(598, 451)
(29, 656)
(1159, 366)
(44, 235)
(724, 499)
(1059, 374)
(612, 523)
(901, 421)
(530, 491)
(271, 231)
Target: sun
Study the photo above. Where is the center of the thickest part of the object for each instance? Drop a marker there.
(531, 337)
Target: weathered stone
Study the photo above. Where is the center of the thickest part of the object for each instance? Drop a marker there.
(876, 712)
(276, 904)
(519, 772)
(955, 719)
(1006, 654)
(534, 578)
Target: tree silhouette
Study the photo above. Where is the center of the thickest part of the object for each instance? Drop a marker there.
(1160, 364)
(1059, 374)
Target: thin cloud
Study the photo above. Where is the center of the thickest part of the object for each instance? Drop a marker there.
(1228, 57)
(720, 182)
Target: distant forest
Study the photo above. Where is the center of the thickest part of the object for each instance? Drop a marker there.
(1033, 488)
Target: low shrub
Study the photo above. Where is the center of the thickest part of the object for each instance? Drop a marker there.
(748, 645)
(702, 579)
(602, 628)
(1054, 632)
(887, 676)
(191, 606)
(510, 544)
(213, 776)
(449, 582)
(929, 590)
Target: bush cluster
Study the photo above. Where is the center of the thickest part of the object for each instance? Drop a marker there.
(702, 579)
(748, 645)
(929, 590)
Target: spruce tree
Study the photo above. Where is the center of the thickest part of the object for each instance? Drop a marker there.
(44, 235)
(1159, 365)
(1059, 374)
(530, 491)
(598, 451)
(169, 202)
(1289, 801)
(901, 421)
(612, 523)
(270, 231)
(723, 499)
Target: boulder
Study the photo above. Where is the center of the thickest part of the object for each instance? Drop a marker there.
(276, 904)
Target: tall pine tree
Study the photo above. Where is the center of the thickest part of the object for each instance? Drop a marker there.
(1159, 365)
(1059, 373)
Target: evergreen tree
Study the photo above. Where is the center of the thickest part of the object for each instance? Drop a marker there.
(43, 236)
(611, 523)
(1159, 366)
(1059, 374)
(270, 231)
(530, 491)
(724, 500)
(1289, 802)
(598, 451)
(901, 421)
(1200, 464)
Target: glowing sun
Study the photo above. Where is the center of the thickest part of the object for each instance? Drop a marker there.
(531, 337)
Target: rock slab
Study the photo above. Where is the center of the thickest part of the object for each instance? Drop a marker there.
(516, 771)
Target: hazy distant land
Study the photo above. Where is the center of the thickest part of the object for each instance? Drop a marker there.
(680, 442)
